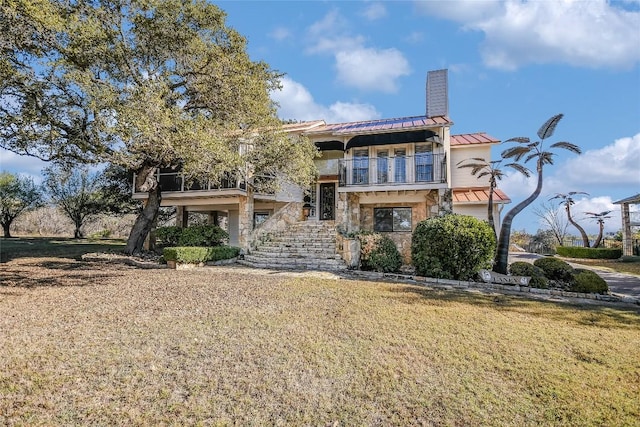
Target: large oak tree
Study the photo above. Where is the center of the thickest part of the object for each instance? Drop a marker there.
(145, 85)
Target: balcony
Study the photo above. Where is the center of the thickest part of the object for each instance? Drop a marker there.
(410, 171)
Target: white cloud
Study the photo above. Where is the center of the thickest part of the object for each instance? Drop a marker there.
(359, 66)
(297, 103)
(374, 11)
(24, 165)
(593, 33)
(372, 69)
(617, 163)
(280, 34)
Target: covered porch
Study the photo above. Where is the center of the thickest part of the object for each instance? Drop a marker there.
(629, 220)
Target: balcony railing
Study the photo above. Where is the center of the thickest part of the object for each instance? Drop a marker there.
(175, 181)
(427, 168)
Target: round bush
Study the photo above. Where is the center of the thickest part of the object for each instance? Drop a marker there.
(379, 253)
(555, 269)
(587, 281)
(521, 268)
(452, 247)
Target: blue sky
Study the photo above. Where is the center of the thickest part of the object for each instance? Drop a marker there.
(512, 65)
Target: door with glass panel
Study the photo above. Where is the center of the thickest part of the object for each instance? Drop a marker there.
(400, 165)
(361, 166)
(382, 166)
(424, 163)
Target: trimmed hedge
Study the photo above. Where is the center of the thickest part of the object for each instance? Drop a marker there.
(555, 269)
(589, 253)
(521, 268)
(587, 281)
(452, 247)
(379, 253)
(197, 235)
(198, 254)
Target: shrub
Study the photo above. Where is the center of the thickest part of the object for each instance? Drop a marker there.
(197, 235)
(521, 268)
(589, 253)
(169, 236)
(379, 253)
(588, 282)
(452, 247)
(198, 254)
(555, 269)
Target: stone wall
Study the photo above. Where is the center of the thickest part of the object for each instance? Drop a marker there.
(287, 214)
(419, 212)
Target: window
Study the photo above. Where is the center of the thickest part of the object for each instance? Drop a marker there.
(259, 218)
(424, 163)
(361, 166)
(392, 219)
(400, 172)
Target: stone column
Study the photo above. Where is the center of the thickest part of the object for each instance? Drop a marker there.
(245, 220)
(627, 242)
(182, 216)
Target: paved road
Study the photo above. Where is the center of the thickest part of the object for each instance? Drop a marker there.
(619, 283)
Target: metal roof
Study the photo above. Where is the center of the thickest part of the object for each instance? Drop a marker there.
(631, 200)
(479, 195)
(382, 125)
(473, 139)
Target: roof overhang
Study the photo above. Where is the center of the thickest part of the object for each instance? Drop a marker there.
(424, 135)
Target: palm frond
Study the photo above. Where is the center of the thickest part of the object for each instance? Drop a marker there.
(567, 146)
(485, 173)
(571, 193)
(476, 159)
(515, 152)
(518, 139)
(523, 170)
(546, 158)
(547, 129)
(531, 156)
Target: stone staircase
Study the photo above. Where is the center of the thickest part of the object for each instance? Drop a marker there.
(305, 245)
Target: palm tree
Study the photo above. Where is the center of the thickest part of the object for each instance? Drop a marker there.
(529, 150)
(482, 168)
(567, 201)
(599, 217)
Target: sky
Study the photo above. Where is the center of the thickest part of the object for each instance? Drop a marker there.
(512, 65)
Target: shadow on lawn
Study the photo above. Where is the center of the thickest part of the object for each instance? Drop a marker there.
(601, 315)
(59, 247)
(54, 273)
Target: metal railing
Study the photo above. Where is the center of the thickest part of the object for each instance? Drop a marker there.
(175, 181)
(422, 168)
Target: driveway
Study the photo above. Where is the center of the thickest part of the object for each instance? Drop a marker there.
(619, 283)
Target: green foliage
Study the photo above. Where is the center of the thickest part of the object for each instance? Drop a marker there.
(145, 85)
(379, 253)
(198, 235)
(102, 234)
(589, 253)
(588, 282)
(521, 268)
(199, 254)
(555, 269)
(17, 196)
(75, 192)
(452, 247)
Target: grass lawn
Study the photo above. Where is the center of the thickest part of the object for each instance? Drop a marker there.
(631, 265)
(55, 246)
(90, 343)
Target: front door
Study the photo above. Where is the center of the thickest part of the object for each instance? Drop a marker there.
(327, 201)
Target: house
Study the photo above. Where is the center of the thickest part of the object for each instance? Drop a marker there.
(382, 175)
(629, 220)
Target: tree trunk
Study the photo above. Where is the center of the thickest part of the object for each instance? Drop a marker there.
(599, 238)
(77, 234)
(585, 238)
(490, 213)
(5, 227)
(502, 252)
(146, 181)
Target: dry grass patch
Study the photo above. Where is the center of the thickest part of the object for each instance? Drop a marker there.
(122, 346)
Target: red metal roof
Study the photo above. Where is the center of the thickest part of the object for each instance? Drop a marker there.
(473, 138)
(478, 195)
(382, 125)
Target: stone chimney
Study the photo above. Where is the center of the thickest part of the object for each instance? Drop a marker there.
(437, 93)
